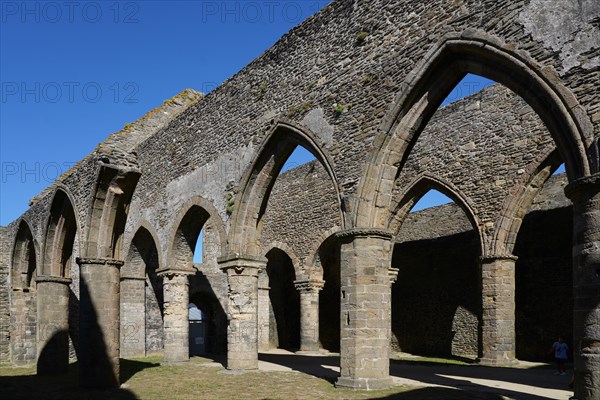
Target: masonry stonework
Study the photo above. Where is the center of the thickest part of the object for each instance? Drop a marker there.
(212, 161)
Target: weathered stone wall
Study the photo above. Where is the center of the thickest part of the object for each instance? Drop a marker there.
(436, 300)
(437, 294)
(188, 148)
(303, 206)
(206, 150)
(480, 149)
(4, 295)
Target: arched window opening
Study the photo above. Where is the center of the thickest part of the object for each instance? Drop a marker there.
(24, 258)
(329, 297)
(544, 273)
(188, 247)
(432, 198)
(299, 157)
(468, 86)
(284, 301)
(436, 298)
(60, 237)
(199, 249)
(560, 170)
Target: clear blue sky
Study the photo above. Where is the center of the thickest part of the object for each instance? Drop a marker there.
(71, 73)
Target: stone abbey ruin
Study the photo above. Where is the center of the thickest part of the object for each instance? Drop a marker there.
(328, 255)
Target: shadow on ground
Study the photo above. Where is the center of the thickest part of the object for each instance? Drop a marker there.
(433, 393)
(311, 365)
(455, 378)
(66, 386)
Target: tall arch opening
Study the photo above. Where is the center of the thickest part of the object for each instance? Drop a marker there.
(544, 271)
(60, 237)
(141, 298)
(436, 299)
(284, 310)
(264, 217)
(328, 258)
(57, 303)
(251, 204)
(548, 107)
(197, 245)
(23, 309)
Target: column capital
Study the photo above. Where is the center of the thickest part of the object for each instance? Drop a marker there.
(393, 274)
(586, 183)
(309, 285)
(54, 279)
(490, 258)
(239, 264)
(111, 262)
(353, 233)
(170, 272)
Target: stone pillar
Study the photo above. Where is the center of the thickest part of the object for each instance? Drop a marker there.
(365, 309)
(264, 305)
(99, 325)
(242, 310)
(176, 322)
(309, 315)
(393, 276)
(53, 324)
(585, 195)
(23, 329)
(498, 309)
(133, 316)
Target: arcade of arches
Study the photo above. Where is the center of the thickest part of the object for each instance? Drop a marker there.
(328, 256)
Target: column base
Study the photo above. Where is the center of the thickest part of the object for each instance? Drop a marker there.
(317, 352)
(364, 383)
(493, 362)
(174, 363)
(242, 365)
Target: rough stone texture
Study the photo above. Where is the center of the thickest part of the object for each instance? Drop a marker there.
(53, 325)
(466, 165)
(544, 268)
(437, 291)
(303, 206)
(436, 302)
(176, 299)
(133, 317)
(99, 322)
(309, 314)
(498, 310)
(365, 310)
(23, 326)
(264, 314)
(585, 195)
(154, 325)
(242, 312)
(206, 153)
(5, 314)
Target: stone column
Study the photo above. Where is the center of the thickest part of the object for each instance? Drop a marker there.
(176, 321)
(53, 324)
(23, 329)
(585, 195)
(365, 309)
(99, 325)
(498, 309)
(264, 305)
(242, 310)
(309, 315)
(393, 276)
(133, 316)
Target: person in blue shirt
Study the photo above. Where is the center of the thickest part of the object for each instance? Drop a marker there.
(560, 350)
